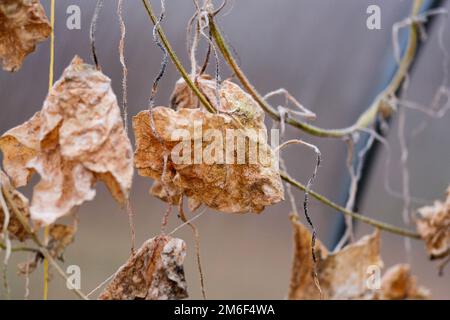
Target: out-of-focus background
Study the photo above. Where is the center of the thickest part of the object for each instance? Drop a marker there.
(323, 53)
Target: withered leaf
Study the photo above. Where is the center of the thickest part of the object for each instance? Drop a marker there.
(23, 24)
(227, 186)
(155, 272)
(398, 284)
(342, 275)
(302, 284)
(433, 225)
(29, 266)
(20, 203)
(345, 274)
(77, 138)
(60, 236)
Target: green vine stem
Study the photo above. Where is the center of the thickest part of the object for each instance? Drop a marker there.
(176, 61)
(378, 224)
(42, 249)
(365, 120)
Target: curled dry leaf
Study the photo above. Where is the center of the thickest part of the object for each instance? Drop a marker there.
(398, 284)
(186, 152)
(155, 272)
(60, 236)
(22, 25)
(345, 274)
(76, 139)
(433, 225)
(20, 205)
(342, 275)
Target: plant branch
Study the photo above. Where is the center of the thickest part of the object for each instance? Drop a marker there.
(175, 59)
(381, 225)
(366, 119)
(42, 249)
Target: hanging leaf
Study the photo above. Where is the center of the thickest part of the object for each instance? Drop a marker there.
(398, 284)
(433, 226)
(20, 203)
(345, 274)
(342, 275)
(76, 139)
(247, 181)
(61, 236)
(155, 272)
(22, 25)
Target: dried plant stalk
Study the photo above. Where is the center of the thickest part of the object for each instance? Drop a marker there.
(155, 272)
(23, 24)
(227, 187)
(433, 226)
(76, 139)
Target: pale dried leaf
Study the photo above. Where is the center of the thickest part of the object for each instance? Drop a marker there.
(22, 25)
(342, 275)
(77, 138)
(155, 272)
(233, 100)
(20, 203)
(226, 187)
(433, 225)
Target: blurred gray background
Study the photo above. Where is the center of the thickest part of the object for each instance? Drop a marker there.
(322, 52)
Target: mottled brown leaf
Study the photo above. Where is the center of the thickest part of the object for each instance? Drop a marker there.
(342, 275)
(235, 187)
(398, 284)
(433, 225)
(155, 272)
(77, 138)
(22, 25)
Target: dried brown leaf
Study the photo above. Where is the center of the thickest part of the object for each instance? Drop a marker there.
(342, 275)
(433, 226)
(155, 272)
(23, 24)
(345, 274)
(77, 138)
(61, 236)
(398, 284)
(227, 187)
(20, 203)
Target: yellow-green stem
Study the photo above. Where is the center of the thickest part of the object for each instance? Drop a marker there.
(175, 59)
(356, 216)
